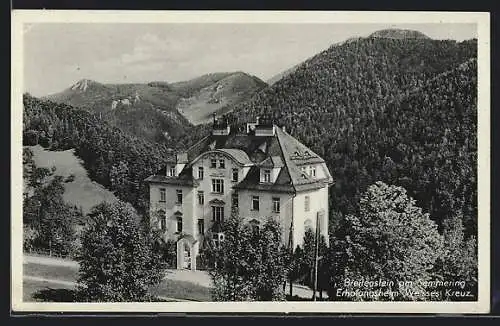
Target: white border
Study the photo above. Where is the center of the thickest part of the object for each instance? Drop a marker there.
(19, 17)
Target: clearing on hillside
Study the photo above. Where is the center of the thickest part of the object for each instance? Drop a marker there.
(82, 191)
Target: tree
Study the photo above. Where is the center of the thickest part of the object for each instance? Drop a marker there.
(117, 262)
(391, 239)
(459, 260)
(56, 219)
(29, 237)
(304, 258)
(249, 264)
(271, 271)
(234, 262)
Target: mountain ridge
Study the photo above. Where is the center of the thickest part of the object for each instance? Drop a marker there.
(158, 110)
(165, 96)
(388, 33)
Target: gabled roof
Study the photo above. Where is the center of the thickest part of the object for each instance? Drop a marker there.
(272, 162)
(239, 155)
(280, 150)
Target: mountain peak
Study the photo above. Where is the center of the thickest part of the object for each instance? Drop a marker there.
(396, 33)
(83, 84)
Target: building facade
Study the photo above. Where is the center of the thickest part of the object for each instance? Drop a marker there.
(261, 170)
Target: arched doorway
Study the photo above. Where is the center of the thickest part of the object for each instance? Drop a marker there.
(187, 249)
(187, 256)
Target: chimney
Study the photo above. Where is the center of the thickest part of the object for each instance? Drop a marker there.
(215, 117)
(284, 128)
(257, 119)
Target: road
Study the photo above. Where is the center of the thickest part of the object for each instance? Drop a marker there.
(197, 277)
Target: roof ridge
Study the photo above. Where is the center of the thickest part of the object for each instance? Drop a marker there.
(300, 143)
(285, 159)
(197, 143)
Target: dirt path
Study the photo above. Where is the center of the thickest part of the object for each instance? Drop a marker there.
(52, 261)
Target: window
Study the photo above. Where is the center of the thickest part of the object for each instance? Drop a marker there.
(307, 203)
(218, 214)
(276, 205)
(201, 197)
(171, 171)
(213, 163)
(234, 200)
(179, 196)
(222, 164)
(255, 203)
(235, 175)
(179, 224)
(200, 172)
(218, 238)
(163, 195)
(163, 220)
(313, 171)
(267, 175)
(201, 226)
(218, 185)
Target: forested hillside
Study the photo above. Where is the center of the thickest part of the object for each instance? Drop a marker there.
(402, 111)
(113, 158)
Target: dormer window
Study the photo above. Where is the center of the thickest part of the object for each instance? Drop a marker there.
(222, 164)
(213, 163)
(266, 175)
(171, 171)
(313, 171)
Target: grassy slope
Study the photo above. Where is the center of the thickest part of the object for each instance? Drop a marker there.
(82, 191)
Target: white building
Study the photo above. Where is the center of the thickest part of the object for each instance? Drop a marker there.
(263, 171)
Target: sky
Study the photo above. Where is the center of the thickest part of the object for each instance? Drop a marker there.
(56, 55)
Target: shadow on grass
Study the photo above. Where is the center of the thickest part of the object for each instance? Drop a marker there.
(297, 298)
(55, 295)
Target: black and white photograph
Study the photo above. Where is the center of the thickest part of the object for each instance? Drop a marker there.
(280, 162)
